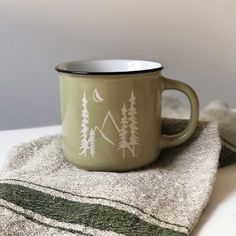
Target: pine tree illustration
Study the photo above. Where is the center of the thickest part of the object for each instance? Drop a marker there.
(84, 127)
(92, 142)
(123, 130)
(132, 116)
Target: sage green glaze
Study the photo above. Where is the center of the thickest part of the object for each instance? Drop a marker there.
(104, 97)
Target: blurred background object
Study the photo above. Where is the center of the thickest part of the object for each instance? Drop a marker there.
(194, 40)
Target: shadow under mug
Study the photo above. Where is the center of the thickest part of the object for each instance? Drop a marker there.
(111, 113)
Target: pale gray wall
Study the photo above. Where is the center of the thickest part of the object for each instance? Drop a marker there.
(195, 40)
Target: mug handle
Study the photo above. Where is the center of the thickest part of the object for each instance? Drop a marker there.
(176, 139)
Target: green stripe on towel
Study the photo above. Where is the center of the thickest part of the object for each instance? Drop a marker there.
(92, 215)
(95, 198)
(227, 156)
(42, 223)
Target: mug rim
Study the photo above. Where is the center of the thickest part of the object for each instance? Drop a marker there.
(81, 67)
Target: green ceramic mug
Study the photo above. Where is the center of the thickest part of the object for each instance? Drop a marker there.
(111, 113)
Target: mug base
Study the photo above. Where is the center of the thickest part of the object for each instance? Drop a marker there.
(109, 168)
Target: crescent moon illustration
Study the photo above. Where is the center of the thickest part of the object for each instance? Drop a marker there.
(96, 96)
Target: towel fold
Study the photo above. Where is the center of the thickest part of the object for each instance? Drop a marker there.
(42, 194)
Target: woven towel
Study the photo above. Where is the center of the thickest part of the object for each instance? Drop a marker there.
(42, 194)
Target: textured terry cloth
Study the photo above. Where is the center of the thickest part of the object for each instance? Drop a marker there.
(43, 194)
(215, 111)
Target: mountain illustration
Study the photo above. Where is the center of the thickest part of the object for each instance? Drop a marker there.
(103, 135)
(110, 127)
(93, 139)
(109, 116)
(89, 140)
(123, 135)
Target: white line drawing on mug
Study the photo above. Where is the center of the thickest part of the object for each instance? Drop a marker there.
(109, 115)
(128, 126)
(91, 140)
(96, 96)
(123, 144)
(133, 123)
(129, 120)
(84, 127)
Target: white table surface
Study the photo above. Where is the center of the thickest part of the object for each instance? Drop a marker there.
(219, 217)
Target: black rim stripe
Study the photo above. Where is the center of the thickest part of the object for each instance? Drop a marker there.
(63, 68)
(58, 69)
